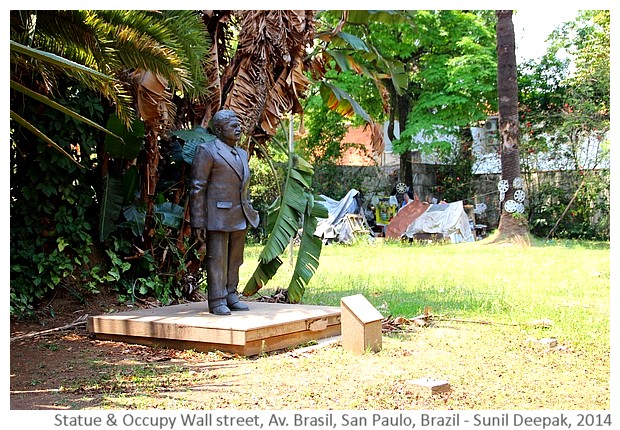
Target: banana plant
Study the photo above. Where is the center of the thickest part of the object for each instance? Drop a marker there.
(296, 206)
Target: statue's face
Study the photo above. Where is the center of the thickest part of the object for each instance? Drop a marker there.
(230, 131)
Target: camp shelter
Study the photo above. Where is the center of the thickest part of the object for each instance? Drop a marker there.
(444, 220)
(400, 222)
(344, 219)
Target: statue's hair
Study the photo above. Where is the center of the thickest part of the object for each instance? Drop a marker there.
(221, 117)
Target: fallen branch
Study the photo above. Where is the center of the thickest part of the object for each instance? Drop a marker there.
(79, 322)
(399, 324)
(475, 321)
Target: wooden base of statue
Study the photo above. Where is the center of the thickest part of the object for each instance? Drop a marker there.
(265, 327)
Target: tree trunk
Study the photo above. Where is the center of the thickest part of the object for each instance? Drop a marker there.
(150, 178)
(406, 167)
(512, 225)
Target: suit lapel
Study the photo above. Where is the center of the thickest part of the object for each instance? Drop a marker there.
(235, 163)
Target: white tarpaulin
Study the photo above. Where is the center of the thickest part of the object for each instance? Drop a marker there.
(332, 226)
(448, 219)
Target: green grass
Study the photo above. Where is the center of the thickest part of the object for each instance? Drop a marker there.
(565, 282)
(483, 298)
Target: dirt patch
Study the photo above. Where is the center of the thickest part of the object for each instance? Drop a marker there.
(38, 363)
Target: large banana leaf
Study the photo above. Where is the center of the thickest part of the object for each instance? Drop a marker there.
(170, 214)
(284, 219)
(192, 138)
(288, 214)
(111, 204)
(339, 101)
(124, 143)
(309, 251)
(262, 274)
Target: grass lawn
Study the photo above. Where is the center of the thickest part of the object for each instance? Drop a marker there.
(565, 282)
(491, 362)
(487, 301)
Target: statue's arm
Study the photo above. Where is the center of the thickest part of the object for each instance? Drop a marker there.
(201, 171)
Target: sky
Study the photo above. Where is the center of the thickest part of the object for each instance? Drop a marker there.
(533, 26)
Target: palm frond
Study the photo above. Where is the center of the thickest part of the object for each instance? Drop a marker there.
(60, 62)
(21, 121)
(51, 103)
(190, 39)
(169, 44)
(47, 63)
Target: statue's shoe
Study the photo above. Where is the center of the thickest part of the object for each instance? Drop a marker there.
(220, 310)
(238, 306)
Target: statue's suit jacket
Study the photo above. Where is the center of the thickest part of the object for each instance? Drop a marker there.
(219, 195)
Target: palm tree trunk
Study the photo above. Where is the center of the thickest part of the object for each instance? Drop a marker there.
(511, 226)
(150, 183)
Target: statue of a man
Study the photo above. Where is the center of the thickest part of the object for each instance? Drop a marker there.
(220, 210)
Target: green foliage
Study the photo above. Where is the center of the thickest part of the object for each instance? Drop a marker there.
(56, 213)
(454, 84)
(454, 181)
(564, 105)
(353, 51)
(587, 217)
(284, 220)
(325, 130)
(564, 118)
(53, 211)
(127, 142)
(264, 189)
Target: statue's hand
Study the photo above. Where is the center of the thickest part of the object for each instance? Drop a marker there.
(200, 233)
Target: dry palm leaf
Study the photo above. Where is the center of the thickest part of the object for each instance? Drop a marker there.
(268, 67)
(155, 105)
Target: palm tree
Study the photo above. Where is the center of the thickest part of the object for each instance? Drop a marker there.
(102, 50)
(512, 226)
(135, 59)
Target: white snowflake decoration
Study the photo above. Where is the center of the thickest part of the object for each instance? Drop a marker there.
(511, 206)
(520, 208)
(517, 182)
(480, 208)
(401, 188)
(519, 196)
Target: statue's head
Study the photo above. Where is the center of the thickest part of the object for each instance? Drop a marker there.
(221, 118)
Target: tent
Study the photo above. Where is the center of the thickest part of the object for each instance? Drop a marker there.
(338, 225)
(447, 219)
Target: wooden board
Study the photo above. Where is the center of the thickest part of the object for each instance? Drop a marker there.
(265, 327)
(360, 325)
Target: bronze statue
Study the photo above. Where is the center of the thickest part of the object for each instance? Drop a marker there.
(220, 210)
